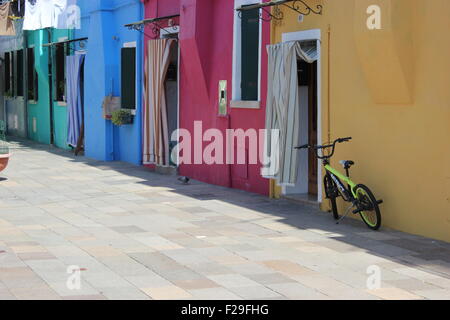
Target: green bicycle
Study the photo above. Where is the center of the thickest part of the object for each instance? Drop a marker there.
(362, 200)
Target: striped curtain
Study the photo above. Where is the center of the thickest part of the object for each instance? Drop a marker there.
(156, 132)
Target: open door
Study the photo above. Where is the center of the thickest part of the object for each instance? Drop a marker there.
(312, 128)
(161, 102)
(306, 187)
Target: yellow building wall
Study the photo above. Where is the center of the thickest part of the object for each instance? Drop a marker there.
(390, 90)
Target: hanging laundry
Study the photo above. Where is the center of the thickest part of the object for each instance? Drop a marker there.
(40, 14)
(6, 23)
(32, 18)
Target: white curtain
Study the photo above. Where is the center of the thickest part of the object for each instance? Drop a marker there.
(59, 14)
(283, 109)
(156, 132)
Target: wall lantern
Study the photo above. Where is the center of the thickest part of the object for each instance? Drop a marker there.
(299, 6)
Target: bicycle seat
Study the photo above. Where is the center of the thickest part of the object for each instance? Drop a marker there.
(347, 163)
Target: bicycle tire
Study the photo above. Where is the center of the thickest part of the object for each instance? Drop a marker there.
(365, 192)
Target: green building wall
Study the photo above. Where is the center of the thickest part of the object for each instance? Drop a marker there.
(39, 115)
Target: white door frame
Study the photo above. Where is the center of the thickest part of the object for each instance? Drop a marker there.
(313, 34)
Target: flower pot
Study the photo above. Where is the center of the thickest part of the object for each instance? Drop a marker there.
(4, 159)
(128, 119)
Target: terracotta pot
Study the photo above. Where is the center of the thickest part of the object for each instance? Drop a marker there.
(4, 159)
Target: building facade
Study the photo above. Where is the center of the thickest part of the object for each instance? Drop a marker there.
(382, 78)
(105, 75)
(376, 70)
(210, 70)
(33, 83)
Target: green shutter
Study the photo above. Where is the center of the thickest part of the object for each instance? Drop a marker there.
(20, 73)
(8, 73)
(250, 55)
(128, 78)
(13, 74)
(32, 76)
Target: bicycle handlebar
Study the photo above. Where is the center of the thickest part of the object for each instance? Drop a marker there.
(318, 147)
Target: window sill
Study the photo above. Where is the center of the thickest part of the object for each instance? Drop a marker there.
(9, 98)
(61, 103)
(245, 104)
(32, 102)
(132, 111)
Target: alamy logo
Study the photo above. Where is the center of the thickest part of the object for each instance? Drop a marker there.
(374, 279)
(74, 280)
(374, 19)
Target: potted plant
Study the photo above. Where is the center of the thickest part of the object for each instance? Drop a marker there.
(121, 117)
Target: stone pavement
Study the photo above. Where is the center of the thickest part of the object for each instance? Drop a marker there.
(133, 234)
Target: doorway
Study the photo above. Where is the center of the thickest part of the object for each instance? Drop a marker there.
(306, 187)
(171, 92)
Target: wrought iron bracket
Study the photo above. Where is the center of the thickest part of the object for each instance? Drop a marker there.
(68, 44)
(266, 14)
(155, 25)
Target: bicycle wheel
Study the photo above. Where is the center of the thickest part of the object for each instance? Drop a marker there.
(371, 214)
(331, 193)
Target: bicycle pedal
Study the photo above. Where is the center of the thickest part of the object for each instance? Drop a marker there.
(380, 201)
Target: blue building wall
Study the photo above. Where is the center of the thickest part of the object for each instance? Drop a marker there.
(103, 22)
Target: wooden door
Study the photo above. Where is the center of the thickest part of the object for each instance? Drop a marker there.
(312, 132)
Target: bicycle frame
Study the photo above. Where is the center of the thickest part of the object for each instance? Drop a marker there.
(348, 193)
(338, 177)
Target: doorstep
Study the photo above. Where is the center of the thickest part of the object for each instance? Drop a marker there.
(307, 199)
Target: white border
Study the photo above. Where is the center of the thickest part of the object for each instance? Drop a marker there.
(313, 34)
(132, 44)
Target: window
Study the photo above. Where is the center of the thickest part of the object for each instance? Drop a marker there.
(32, 76)
(17, 8)
(8, 91)
(12, 74)
(246, 56)
(128, 78)
(19, 74)
(249, 55)
(60, 73)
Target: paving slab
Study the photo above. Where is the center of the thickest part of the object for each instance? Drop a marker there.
(134, 234)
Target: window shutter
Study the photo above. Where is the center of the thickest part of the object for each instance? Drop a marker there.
(250, 55)
(7, 72)
(13, 74)
(32, 76)
(20, 72)
(128, 78)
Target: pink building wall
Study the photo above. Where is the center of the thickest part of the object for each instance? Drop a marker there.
(206, 47)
